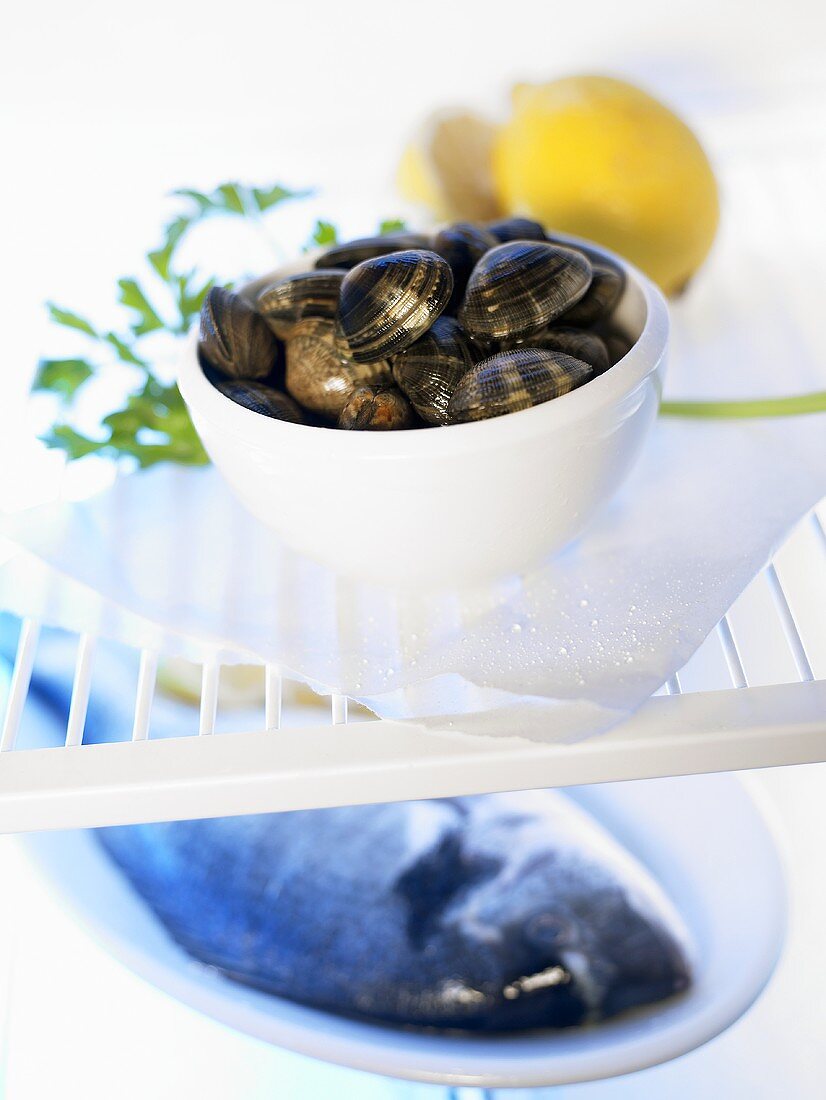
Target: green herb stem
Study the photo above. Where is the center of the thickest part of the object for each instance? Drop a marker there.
(798, 405)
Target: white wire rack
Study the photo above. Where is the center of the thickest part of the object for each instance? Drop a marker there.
(753, 695)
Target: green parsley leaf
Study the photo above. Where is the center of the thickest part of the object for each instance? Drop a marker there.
(232, 197)
(70, 320)
(124, 352)
(134, 298)
(265, 197)
(161, 258)
(63, 377)
(227, 198)
(188, 300)
(324, 234)
(203, 201)
(65, 438)
(392, 225)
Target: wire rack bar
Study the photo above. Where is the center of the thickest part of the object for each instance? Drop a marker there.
(273, 697)
(80, 690)
(21, 678)
(209, 699)
(147, 675)
(731, 654)
(820, 530)
(673, 685)
(314, 766)
(338, 709)
(790, 629)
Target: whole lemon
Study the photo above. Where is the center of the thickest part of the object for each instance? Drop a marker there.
(600, 158)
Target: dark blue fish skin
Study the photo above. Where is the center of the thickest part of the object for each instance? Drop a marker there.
(493, 913)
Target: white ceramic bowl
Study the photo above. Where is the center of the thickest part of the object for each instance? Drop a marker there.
(452, 506)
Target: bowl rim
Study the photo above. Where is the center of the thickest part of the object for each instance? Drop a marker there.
(608, 389)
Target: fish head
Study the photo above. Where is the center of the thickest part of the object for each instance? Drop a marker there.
(570, 938)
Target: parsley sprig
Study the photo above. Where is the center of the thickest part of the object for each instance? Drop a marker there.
(152, 424)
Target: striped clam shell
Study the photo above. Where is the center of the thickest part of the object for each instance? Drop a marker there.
(388, 302)
(377, 409)
(516, 229)
(234, 338)
(607, 285)
(262, 399)
(462, 244)
(320, 375)
(576, 342)
(350, 253)
(514, 380)
(430, 369)
(518, 288)
(290, 300)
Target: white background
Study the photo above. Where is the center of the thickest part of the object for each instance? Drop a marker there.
(105, 108)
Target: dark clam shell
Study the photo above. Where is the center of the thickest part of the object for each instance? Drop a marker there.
(607, 284)
(517, 289)
(462, 244)
(262, 399)
(430, 369)
(347, 255)
(514, 380)
(310, 294)
(617, 344)
(234, 338)
(376, 409)
(576, 342)
(320, 375)
(388, 302)
(516, 229)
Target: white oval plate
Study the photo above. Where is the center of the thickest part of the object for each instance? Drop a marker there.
(702, 836)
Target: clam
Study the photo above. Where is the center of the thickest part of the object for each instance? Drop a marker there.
(577, 342)
(518, 288)
(320, 375)
(430, 369)
(516, 229)
(376, 409)
(514, 380)
(462, 244)
(607, 283)
(234, 338)
(290, 300)
(250, 290)
(388, 302)
(617, 344)
(262, 399)
(350, 253)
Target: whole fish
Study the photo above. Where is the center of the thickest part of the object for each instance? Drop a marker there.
(493, 913)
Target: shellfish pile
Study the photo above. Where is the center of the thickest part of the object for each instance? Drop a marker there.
(407, 331)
